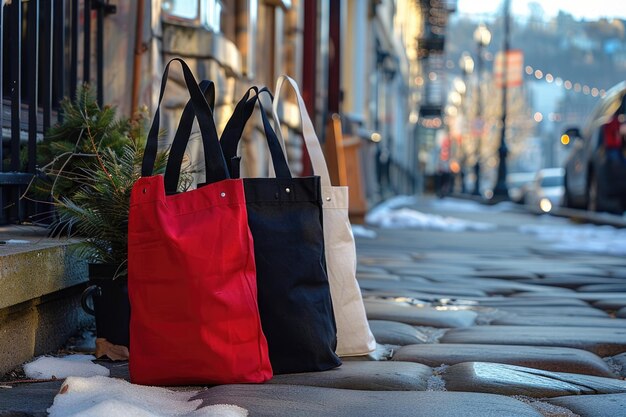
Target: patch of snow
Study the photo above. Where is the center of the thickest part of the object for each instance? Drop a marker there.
(100, 396)
(396, 202)
(468, 206)
(432, 334)
(360, 231)
(581, 239)
(409, 218)
(382, 352)
(46, 367)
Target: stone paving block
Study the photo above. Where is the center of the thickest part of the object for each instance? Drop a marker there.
(394, 333)
(419, 316)
(370, 269)
(619, 287)
(509, 274)
(556, 311)
(383, 276)
(495, 378)
(388, 264)
(533, 302)
(400, 284)
(610, 304)
(608, 405)
(28, 399)
(436, 270)
(368, 376)
(497, 286)
(586, 296)
(617, 363)
(555, 359)
(612, 267)
(426, 297)
(601, 341)
(571, 281)
(302, 401)
(548, 320)
(423, 286)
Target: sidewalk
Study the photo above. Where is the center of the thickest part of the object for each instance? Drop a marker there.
(510, 314)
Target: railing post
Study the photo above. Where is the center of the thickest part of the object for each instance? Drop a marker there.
(32, 62)
(87, 41)
(74, 49)
(59, 55)
(15, 17)
(47, 37)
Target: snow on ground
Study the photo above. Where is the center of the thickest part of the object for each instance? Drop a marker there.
(100, 396)
(468, 206)
(392, 214)
(360, 231)
(46, 367)
(581, 238)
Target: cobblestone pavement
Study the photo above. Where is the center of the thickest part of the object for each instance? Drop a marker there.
(469, 323)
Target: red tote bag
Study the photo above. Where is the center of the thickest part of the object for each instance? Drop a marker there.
(191, 273)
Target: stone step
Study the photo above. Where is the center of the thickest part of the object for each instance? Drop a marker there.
(602, 341)
(40, 287)
(555, 359)
(303, 401)
(419, 316)
(607, 405)
(496, 378)
(361, 375)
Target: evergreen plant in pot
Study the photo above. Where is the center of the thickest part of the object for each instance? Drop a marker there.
(93, 160)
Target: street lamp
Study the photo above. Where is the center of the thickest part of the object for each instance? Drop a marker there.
(482, 37)
(466, 63)
(501, 191)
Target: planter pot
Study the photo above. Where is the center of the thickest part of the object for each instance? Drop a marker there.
(111, 306)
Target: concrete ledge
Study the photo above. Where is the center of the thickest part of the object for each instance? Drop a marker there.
(32, 265)
(40, 287)
(39, 326)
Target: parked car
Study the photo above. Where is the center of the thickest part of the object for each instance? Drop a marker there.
(546, 191)
(518, 184)
(595, 170)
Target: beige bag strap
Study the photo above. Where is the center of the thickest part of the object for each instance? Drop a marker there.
(311, 140)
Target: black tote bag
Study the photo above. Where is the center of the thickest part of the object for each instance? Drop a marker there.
(285, 218)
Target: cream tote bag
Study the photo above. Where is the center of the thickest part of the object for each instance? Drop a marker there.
(354, 337)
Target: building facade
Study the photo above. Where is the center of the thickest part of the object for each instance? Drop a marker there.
(376, 63)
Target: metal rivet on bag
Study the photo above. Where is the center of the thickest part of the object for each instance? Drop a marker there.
(223, 195)
(327, 198)
(287, 190)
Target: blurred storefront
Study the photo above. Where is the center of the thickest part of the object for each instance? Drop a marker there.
(376, 63)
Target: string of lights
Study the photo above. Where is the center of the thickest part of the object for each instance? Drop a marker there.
(567, 84)
(538, 74)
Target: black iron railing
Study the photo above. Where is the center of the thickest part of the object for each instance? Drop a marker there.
(44, 46)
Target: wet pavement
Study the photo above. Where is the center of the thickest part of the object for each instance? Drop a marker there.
(476, 323)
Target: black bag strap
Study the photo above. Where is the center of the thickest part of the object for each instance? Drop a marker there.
(232, 135)
(177, 149)
(216, 169)
(172, 170)
(234, 129)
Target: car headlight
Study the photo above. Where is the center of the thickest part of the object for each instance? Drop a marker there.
(545, 205)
